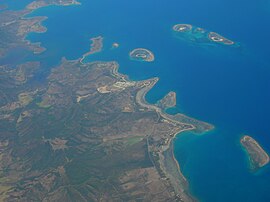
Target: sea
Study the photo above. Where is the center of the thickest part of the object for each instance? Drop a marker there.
(228, 87)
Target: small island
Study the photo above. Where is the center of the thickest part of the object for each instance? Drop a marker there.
(115, 45)
(142, 54)
(182, 27)
(219, 39)
(199, 36)
(257, 156)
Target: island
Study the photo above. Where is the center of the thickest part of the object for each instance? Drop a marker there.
(115, 45)
(257, 155)
(219, 39)
(142, 54)
(200, 36)
(182, 27)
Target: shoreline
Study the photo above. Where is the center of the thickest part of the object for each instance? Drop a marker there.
(257, 156)
(96, 46)
(145, 87)
(177, 179)
(36, 47)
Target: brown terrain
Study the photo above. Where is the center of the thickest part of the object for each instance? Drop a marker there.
(14, 26)
(86, 133)
(101, 147)
(168, 101)
(96, 46)
(257, 156)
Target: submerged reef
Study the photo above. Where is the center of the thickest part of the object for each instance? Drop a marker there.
(142, 54)
(197, 35)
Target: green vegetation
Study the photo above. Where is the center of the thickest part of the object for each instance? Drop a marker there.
(134, 140)
(57, 147)
(25, 98)
(43, 104)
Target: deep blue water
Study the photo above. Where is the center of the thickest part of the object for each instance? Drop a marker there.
(228, 87)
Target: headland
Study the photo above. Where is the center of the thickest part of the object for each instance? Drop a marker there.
(96, 46)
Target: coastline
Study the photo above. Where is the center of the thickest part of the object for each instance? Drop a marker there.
(167, 161)
(95, 47)
(27, 25)
(201, 158)
(257, 156)
(178, 180)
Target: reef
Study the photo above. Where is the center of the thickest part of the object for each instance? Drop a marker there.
(142, 54)
(219, 39)
(197, 35)
(182, 28)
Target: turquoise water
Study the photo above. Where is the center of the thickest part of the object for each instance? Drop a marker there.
(228, 87)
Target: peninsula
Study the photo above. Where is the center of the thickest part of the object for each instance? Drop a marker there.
(168, 101)
(96, 46)
(257, 156)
